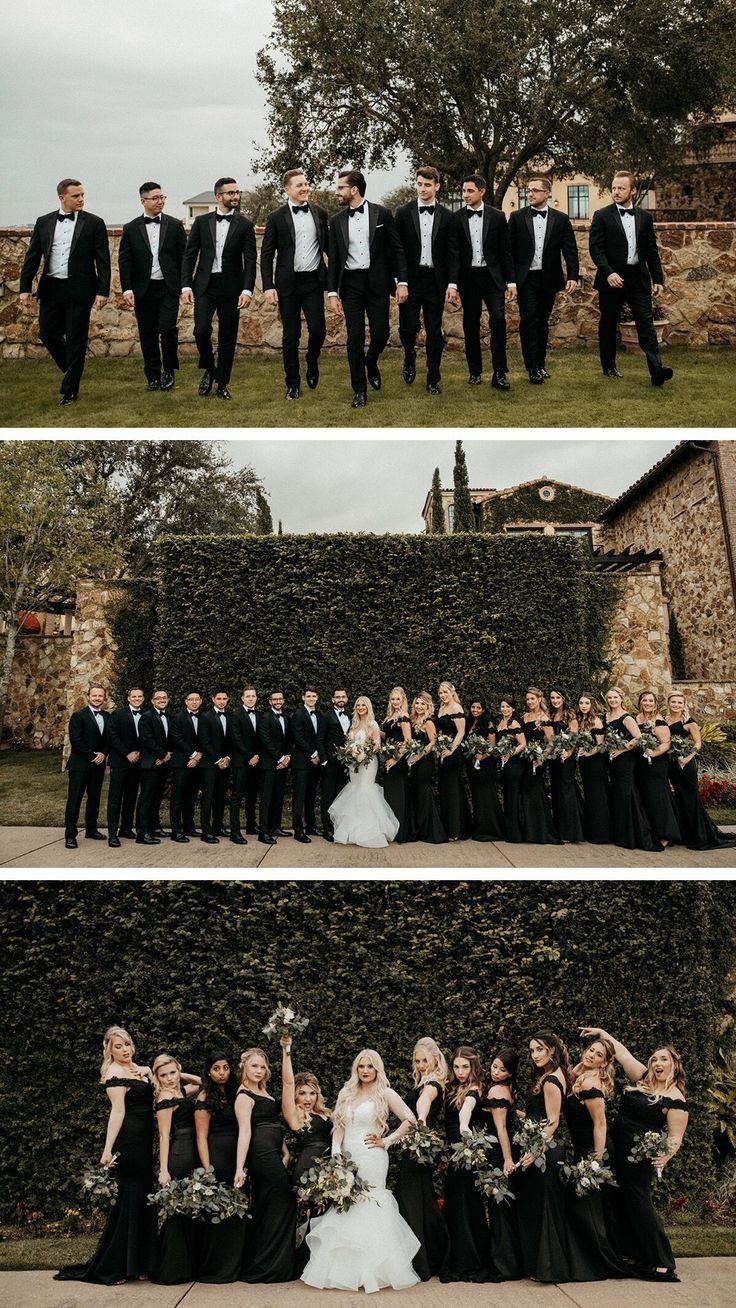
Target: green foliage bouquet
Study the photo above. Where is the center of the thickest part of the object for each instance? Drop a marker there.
(99, 1184)
(682, 746)
(564, 742)
(284, 1023)
(334, 1180)
(586, 742)
(532, 1140)
(588, 1174)
(647, 740)
(475, 744)
(494, 1184)
(471, 1151)
(423, 1144)
(355, 754)
(505, 747)
(613, 741)
(535, 752)
(442, 742)
(391, 749)
(652, 1144)
(413, 748)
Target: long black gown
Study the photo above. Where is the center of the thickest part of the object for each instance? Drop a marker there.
(396, 783)
(314, 1142)
(178, 1239)
(512, 773)
(454, 809)
(415, 1194)
(222, 1245)
(565, 801)
(271, 1237)
(698, 830)
(631, 829)
(592, 1256)
(503, 1217)
(465, 1208)
(597, 816)
(542, 1226)
(425, 820)
(639, 1226)
(127, 1246)
(653, 781)
(487, 813)
(537, 823)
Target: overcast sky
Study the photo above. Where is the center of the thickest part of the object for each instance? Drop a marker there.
(159, 90)
(380, 485)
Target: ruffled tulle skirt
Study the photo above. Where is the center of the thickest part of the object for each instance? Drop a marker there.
(370, 1247)
(360, 814)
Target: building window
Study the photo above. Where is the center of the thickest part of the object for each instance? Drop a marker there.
(547, 493)
(517, 531)
(644, 201)
(582, 532)
(451, 517)
(523, 197)
(577, 201)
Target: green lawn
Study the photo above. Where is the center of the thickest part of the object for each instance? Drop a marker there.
(703, 393)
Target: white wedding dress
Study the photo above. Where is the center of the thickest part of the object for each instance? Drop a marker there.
(370, 1245)
(360, 814)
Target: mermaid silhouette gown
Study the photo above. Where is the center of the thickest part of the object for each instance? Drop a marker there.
(360, 814)
(178, 1239)
(592, 1256)
(417, 1200)
(698, 830)
(314, 1142)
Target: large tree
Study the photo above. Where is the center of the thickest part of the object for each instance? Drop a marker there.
(438, 508)
(581, 85)
(463, 515)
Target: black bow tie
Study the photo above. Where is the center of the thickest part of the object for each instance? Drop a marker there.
(136, 713)
(62, 217)
(154, 220)
(475, 213)
(223, 217)
(220, 713)
(539, 213)
(426, 208)
(359, 209)
(193, 715)
(623, 211)
(161, 713)
(300, 208)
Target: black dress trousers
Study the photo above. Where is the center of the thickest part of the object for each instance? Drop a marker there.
(63, 325)
(216, 301)
(480, 290)
(156, 312)
(359, 302)
(425, 300)
(308, 298)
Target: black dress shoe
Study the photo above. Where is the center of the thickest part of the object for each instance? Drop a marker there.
(179, 838)
(409, 370)
(536, 376)
(223, 393)
(222, 831)
(293, 393)
(327, 835)
(277, 831)
(237, 839)
(475, 379)
(312, 831)
(147, 840)
(313, 378)
(358, 400)
(612, 372)
(433, 388)
(161, 831)
(266, 840)
(68, 399)
(167, 381)
(251, 831)
(302, 837)
(71, 842)
(374, 376)
(127, 834)
(154, 384)
(113, 842)
(191, 831)
(205, 386)
(93, 835)
(545, 374)
(661, 376)
(500, 381)
(210, 840)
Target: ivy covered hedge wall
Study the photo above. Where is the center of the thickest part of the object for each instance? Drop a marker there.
(185, 965)
(570, 504)
(368, 612)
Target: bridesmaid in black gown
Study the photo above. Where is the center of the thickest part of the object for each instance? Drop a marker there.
(542, 1225)
(425, 819)
(652, 776)
(465, 1206)
(597, 818)
(396, 728)
(631, 829)
(512, 770)
(565, 802)
(537, 824)
(592, 1255)
(270, 1248)
(481, 774)
(127, 1246)
(177, 1150)
(500, 1105)
(654, 1102)
(414, 1190)
(698, 831)
(450, 722)
(306, 1113)
(221, 1248)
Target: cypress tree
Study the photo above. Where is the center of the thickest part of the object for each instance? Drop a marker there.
(463, 507)
(438, 510)
(264, 521)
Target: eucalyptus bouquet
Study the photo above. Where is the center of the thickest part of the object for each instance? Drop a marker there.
(652, 1144)
(206, 1198)
(391, 749)
(535, 752)
(682, 746)
(587, 742)
(647, 740)
(532, 1140)
(172, 1198)
(564, 742)
(284, 1023)
(614, 741)
(355, 754)
(99, 1183)
(423, 1144)
(334, 1179)
(475, 744)
(588, 1174)
(442, 742)
(471, 1151)
(494, 1184)
(505, 747)
(413, 748)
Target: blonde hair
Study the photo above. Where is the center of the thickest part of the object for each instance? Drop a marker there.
(676, 1077)
(427, 699)
(543, 706)
(606, 1073)
(616, 690)
(440, 1072)
(654, 696)
(356, 725)
(449, 686)
(685, 705)
(308, 1078)
(248, 1053)
(397, 690)
(349, 1092)
(112, 1033)
(161, 1061)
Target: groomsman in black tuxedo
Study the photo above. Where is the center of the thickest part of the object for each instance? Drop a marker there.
(540, 239)
(151, 251)
(215, 732)
(423, 225)
(334, 726)
(307, 758)
(482, 271)
(123, 759)
(366, 267)
(623, 247)
(75, 278)
(218, 275)
(246, 774)
(154, 731)
(297, 234)
(86, 766)
(186, 757)
(275, 738)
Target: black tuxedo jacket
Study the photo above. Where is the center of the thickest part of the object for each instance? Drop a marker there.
(213, 741)
(278, 239)
(135, 258)
(609, 248)
(153, 739)
(330, 732)
(274, 742)
(238, 255)
(388, 261)
(407, 226)
(496, 247)
(559, 244)
(122, 738)
(183, 740)
(244, 741)
(89, 257)
(86, 739)
(305, 740)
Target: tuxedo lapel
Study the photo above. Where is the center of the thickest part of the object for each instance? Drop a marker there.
(486, 224)
(165, 226)
(234, 222)
(144, 232)
(317, 225)
(341, 229)
(417, 224)
(372, 222)
(47, 239)
(549, 220)
(465, 220)
(212, 225)
(637, 225)
(529, 220)
(289, 220)
(78, 224)
(619, 220)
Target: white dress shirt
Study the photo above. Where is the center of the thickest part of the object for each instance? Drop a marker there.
(629, 225)
(96, 712)
(153, 232)
(539, 229)
(221, 231)
(426, 222)
(359, 250)
(306, 243)
(58, 265)
(476, 235)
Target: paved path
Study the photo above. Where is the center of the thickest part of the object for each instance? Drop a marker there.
(43, 847)
(705, 1283)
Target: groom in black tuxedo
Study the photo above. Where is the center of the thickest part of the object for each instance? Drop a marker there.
(482, 273)
(275, 738)
(86, 766)
(156, 751)
(297, 234)
(540, 238)
(623, 247)
(246, 751)
(123, 758)
(75, 278)
(186, 756)
(215, 732)
(334, 726)
(307, 758)
(151, 250)
(422, 225)
(218, 275)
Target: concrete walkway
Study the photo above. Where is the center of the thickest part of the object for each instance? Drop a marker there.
(43, 848)
(705, 1283)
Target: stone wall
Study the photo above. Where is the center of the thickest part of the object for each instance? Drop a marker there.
(36, 710)
(700, 301)
(639, 647)
(709, 699)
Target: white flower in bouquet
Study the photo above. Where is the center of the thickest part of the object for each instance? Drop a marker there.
(647, 740)
(586, 742)
(614, 741)
(494, 1184)
(588, 1174)
(650, 1145)
(99, 1183)
(333, 1180)
(423, 1143)
(681, 746)
(535, 752)
(506, 747)
(413, 748)
(471, 1151)
(475, 744)
(284, 1023)
(442, 742)
(532, 1140)
(564, 742)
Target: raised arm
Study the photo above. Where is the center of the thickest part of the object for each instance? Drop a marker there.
(633, 1069)
(291, 1113)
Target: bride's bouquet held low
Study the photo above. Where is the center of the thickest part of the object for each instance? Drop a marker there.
(531, 1139)
(355, 754)
(284, 1023)
(333, 1180)
(423, 1144)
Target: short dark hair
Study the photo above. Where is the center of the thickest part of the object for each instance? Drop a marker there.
(340, 687)
(276, 691)
(477, 180)
(427, 170)
(63, 186)
(130, 690)
(310, 689)
(159, 690)
(222, 181)
(193, 691)
(149, 186)
(355, 178)
(546, 183)
(219, 690)
(291, 173)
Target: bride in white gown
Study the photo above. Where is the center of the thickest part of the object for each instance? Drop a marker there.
(360, 814)
(369, 1245)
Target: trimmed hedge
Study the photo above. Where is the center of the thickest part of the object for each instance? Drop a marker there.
(132, 618)
(185, 965)
(570, 504)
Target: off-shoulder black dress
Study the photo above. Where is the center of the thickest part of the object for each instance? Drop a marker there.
(415, 1194)
(271, 1236)
(542, 1224)
(698, 830)
(222, 1245)
(631, 829)
(465, 1208)
(592, 1256)
(396, 782)
(504, 1220)
(512, 772)
(537, 823)
(597, 817)
(639, 1226)
(481, 774)
(652, 778)
(425, 819)
(454, 809)
(178, 1239)
(565, 801)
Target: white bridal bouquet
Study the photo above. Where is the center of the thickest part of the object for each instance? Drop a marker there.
(588, 1174)
(532, 1140)
(423, 1143)
(284, 1023)
(648, 740)
(333, 1180)
(652, 1144)
(202, 1196)
(471, 1151)
(355, 754)
(99, 1184)
(475, 744)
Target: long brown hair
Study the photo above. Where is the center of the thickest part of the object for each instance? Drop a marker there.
(586, 721)
(606, 1073)
(568, 713)
(558, 1057)
(457, 1093)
